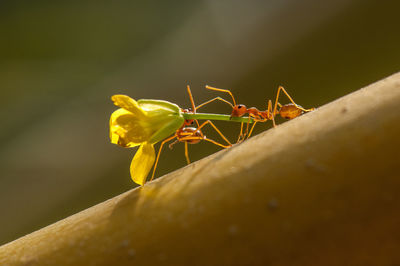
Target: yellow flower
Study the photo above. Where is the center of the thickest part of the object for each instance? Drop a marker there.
(144, 123)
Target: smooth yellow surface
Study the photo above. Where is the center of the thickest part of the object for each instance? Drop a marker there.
(322, 189)
(129, 104)
(142, 163)
(127, 130)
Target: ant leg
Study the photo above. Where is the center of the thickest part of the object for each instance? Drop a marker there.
(172, 144)
(255, 120)
(187, 153)
(190, 97)
(217, 143)
(159, 152)
(206, 139)
(271, 114)
(290, 98)
(214, 99)
(241, 133)
(192, 101)
(222, 90)
(276, 101)
(273, 121)
(251, 130)
(218, 98)
(216, 129)
(247, 129)
(191, 137)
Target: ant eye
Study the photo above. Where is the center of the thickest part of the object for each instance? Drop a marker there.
(240, 106)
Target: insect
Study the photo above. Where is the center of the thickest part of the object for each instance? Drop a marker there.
(287, 111)
(146, 122)
(190, 135)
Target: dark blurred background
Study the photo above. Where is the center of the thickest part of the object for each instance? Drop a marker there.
(61, 62)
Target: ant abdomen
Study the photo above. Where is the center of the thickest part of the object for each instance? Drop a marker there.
(190, 131)
(290, 111)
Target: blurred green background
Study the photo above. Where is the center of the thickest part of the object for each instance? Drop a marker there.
(61, 62)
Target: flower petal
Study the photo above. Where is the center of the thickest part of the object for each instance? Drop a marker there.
(129, 104)
(142, 163)
(127, 130)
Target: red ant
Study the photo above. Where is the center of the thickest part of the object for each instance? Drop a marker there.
(287, 111)
(190, 135)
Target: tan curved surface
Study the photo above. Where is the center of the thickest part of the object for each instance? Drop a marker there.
(322, 189)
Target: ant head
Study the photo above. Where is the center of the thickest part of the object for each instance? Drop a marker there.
(239, 110)
(187, 111)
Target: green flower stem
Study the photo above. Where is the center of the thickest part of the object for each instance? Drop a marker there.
(204, 116)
